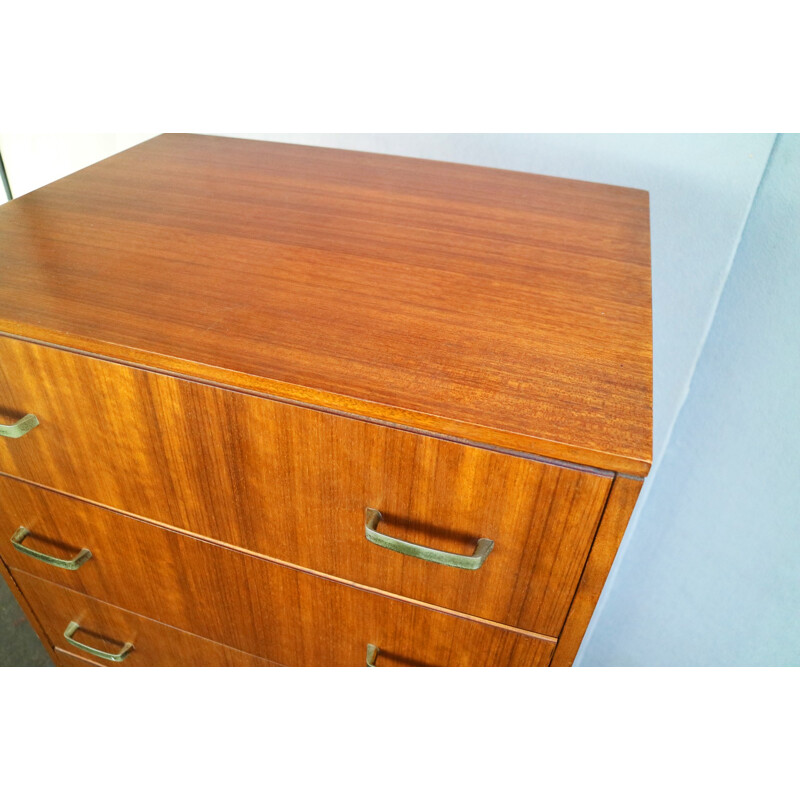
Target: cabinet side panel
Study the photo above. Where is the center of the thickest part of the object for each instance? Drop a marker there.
(619, 507)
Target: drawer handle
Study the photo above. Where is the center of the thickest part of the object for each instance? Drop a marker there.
(19, 537)
(20, 427)
(484, 547)
(372, 654)
(73, 628)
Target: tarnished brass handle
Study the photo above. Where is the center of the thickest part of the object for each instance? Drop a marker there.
(20, 427)
(372, 654)
(73, 627)
(484, 547)
(19, 537)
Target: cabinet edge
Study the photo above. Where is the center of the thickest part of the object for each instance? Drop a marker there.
(467, 433)
(619, 507)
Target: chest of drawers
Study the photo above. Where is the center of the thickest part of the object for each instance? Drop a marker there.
(272, 405)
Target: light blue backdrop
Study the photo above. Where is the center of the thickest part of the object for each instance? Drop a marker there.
(711, 573)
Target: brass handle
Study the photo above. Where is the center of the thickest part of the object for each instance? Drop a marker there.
(372, 654)
(484, 547)
(20, 427)
(19, 537)
(73, 627)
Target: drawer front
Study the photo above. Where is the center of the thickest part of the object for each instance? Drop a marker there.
(109, 630)
(247, 602)
(293, 483)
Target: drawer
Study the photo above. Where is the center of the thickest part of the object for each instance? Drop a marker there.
(110, 630)
(294, 484)
(249, 603)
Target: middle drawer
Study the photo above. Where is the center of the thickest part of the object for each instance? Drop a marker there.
(293, 484)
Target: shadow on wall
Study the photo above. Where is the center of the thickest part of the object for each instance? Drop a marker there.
(710, 577)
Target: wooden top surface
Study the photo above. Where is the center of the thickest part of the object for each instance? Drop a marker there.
(498, 307)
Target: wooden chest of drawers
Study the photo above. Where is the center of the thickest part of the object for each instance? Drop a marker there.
(272, 405)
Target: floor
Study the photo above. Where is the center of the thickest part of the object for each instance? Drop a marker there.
(19, 645)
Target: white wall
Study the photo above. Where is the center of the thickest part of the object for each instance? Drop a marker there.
(701, 188)
(33, 160)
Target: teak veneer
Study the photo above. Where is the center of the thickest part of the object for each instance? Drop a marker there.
(154, 645)
(235, 348)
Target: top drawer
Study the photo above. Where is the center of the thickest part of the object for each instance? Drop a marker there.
(293, 483)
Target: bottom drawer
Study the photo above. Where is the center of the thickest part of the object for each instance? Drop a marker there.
(119, 637)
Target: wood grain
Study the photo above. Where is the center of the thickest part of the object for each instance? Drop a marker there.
(504, 308)
(65, 659)
(618, 510)
(292, 483)
(254, 605)
(108, 628)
